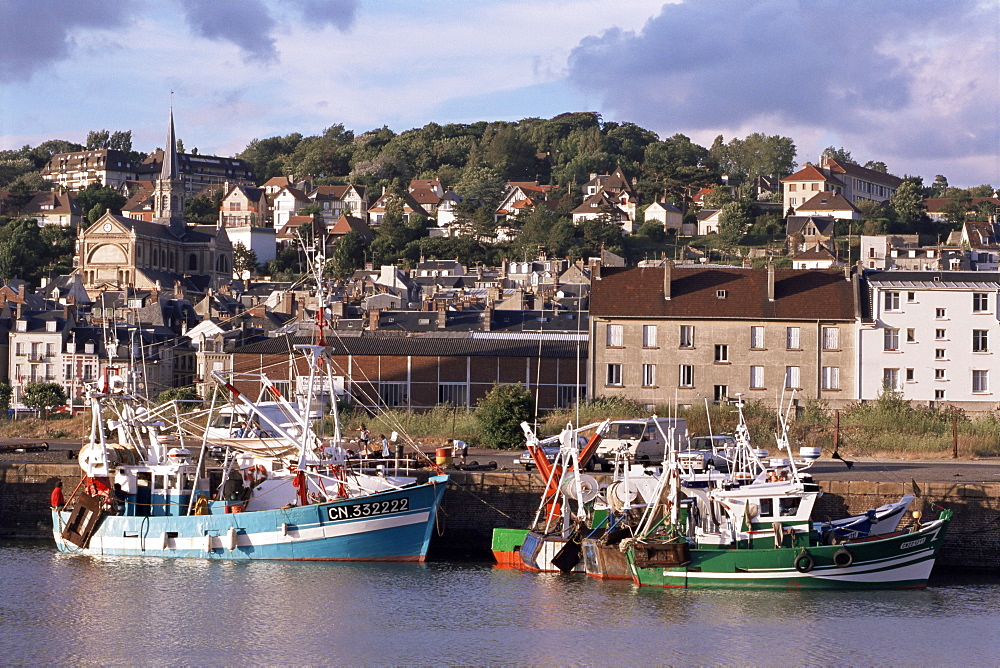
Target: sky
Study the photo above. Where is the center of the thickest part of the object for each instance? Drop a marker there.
(911, 83)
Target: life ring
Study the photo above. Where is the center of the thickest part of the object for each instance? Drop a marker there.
(256, 474)
(843, 558)
(804, 562)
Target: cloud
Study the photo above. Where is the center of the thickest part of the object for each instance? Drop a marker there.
(339, 14)
(34, 35)
(244, 23)
(906, 76)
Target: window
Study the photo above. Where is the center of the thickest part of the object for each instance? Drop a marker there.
(911, 335)
(392, 394)
(911, 297)
(792, 338)
(452, 393)
(756, 378)
(909, 375)
(980, 381)
(614, 374)
(940, 354)
(687, 336)
(831, 338)
(649, 336)
(939, 374)
(979, 341)
(791, 377)
(757, 338)
(940, 313)
(615, 336)
(891, 301)
(939, 395)
(648, 375)
(721, 353)
(980, 302)
(939, 334)
(19, 348)
(891, 339)
(890, 379)
(566, 395)
(721, 393)
(791, 187)
(685, 377)
(831, 378)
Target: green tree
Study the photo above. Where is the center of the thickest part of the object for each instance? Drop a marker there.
(956, 209)
(203, 209)
(98, 139)
(178, 393)
(734, 221)
(500, 414)
(908, 205)
(877, 166)
(6, 393)
(839, 154)
(43, 396)
(244, 260)
(483, 185)
(348, 255)
(985, 211)
(95, 194)
(756, 155)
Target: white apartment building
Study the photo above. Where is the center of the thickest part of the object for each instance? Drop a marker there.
(931, 335)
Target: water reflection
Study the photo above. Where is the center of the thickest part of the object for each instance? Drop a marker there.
(77, 610)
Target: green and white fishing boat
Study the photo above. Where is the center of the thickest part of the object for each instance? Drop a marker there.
(762, 536)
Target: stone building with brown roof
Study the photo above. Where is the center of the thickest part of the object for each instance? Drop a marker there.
(687, 333)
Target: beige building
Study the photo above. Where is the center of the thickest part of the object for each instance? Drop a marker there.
(688, 333)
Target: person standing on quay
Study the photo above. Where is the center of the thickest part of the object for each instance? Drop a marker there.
(459, 449)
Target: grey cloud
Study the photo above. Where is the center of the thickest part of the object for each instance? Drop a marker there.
(725, 63)
(245, 23)
(35, 34)
(339, 14)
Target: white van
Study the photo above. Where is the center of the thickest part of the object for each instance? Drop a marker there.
(641, 439)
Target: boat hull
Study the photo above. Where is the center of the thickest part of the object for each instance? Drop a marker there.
(394, 525)
(897, 561)
(543, 553)
(506, 547)
(605, 562)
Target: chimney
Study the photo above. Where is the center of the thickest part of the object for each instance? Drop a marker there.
(286, 302)
(668, 277)
(373, 318)
(595, 269)
(442, 317)
(770, 281)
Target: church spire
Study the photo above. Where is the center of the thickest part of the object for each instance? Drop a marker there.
(168, 171)
(168, 191)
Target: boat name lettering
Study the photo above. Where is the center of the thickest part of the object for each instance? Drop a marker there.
(369, 509)
(913, 543)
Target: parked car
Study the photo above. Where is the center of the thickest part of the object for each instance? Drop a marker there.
(708, 451)
(550, 446)
(640, 439)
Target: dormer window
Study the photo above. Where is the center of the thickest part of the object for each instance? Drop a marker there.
(22, 326)
(721, 294)
(50, 325)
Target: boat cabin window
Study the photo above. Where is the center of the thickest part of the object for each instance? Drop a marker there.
(171, 482)
(188, 481)
(158, 482)
(788, 506)
(222, 421)
(767, 507)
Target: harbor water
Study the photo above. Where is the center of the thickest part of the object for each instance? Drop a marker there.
(70, 610)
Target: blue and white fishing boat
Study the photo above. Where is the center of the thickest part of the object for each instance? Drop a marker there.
(158, 491)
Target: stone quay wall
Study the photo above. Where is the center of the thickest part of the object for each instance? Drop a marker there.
(476, 502)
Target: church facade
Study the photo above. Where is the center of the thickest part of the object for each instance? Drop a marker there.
(117, 252)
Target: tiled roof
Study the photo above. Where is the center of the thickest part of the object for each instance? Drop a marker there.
(800, 294)
(812, 173)
(421, 346)
(857, 171)
(826, 201)
(936, 204)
